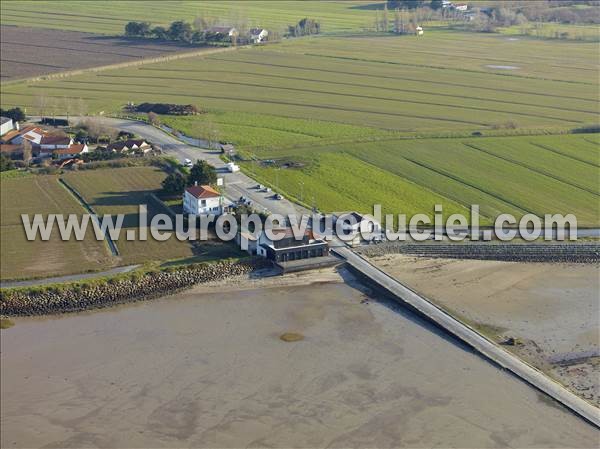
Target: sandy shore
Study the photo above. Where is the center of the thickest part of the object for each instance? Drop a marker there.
(202, 369)
(553, 309)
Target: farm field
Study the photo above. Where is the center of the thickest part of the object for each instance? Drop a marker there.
(28, 52)
(95, 17)
(20, 258)
(516, 175)
(120, 191)
(398, 86)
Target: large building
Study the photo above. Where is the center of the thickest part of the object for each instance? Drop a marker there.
(202, 200)
(288, 248)
(6, 125)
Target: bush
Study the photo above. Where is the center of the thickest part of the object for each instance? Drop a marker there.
(5, 163)
(16, 114)
(167, 108)
(173, 184)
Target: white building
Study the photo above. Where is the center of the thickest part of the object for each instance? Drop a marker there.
(258, 35)
(419, 31)
(362, 227)
(202, 200)
(461, 7)
(6, 125)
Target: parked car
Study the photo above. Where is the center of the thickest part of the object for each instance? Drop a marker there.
(278, 197)
(188, 163)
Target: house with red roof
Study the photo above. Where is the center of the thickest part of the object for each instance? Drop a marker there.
(202, 200)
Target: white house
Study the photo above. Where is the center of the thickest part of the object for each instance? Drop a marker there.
(461, 7)
(71, 151)
(202, 200)
(361, 226)
(258, 35)
(224, 30)
(134, 145)
(419, 31)
(6, 125)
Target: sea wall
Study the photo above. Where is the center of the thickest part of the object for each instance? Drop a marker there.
(106, 292)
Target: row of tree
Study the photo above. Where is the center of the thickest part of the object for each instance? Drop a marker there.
(202, 173)
(178, 31)
(304, 27)
(16, 114)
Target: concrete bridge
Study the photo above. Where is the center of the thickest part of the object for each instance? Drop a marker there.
(468, 335)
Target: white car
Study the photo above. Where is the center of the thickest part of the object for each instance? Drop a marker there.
(188, 163)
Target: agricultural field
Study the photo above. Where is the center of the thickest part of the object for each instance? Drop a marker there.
(96, 17)
(28, 52)
(121, 191)
(516, 175)
(20, 258)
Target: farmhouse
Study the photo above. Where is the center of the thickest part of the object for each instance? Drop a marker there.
(6, 125)
(258, 35)
(202, 200)
(72, 151)
(133, 145)
(31, 133)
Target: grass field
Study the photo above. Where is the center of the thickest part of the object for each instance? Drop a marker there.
(21, 258)
(96, 17)
(346, 108)
(121, 191)
(516, 175)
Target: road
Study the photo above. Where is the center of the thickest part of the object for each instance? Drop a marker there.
(471, 337)
(236, 184)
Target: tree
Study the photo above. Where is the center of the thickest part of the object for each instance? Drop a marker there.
(137, 29)
(202, 173)
(153, 118)
(410, 4)
(16, 114)
(174, 184)
(385, 19)
(436, 4)
(180, 31)
(41, 104)
(6, 163)
(304, 27)
(160, 33)
(27, 153)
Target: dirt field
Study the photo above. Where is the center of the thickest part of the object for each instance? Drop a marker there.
(28, 52)
(551, 309)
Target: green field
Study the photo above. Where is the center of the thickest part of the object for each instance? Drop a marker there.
(96, 17)
(21, 258)
(386, 119)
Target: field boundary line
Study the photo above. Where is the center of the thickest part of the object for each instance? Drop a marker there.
(121, 65)
(553, 150)
(539, 172)
(341, 94)
(403, 78)
(109, 241)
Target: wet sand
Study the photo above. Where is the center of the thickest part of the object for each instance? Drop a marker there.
(209, 370)
(553, 309)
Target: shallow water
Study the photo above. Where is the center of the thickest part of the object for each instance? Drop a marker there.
(206, 370)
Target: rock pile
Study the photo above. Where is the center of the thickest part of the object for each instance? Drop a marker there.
(514, 252)
(74, 297)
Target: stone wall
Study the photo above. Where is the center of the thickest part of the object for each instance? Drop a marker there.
(130, 288)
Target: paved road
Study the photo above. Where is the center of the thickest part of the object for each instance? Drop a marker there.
(236, 184)
(481, 344)
(67, 278)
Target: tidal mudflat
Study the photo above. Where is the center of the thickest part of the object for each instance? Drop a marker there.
(210, 370)
(551, 310)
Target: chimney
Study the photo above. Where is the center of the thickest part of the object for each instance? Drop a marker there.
(17, 126)
(196, 183)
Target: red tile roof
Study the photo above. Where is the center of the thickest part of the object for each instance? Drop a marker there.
(55, 139)
(202, 192)
(73, 149)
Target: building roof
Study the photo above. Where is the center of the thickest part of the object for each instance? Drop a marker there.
(221, 30)
(129, 143)
(8, 148)
(256, 31)
(55, 139)
(202, 192)
(73, 149)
